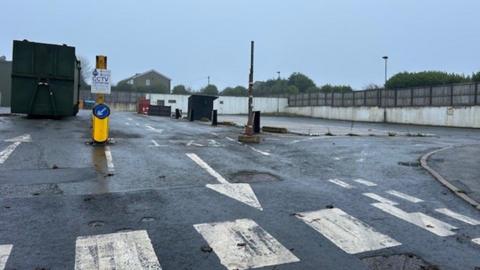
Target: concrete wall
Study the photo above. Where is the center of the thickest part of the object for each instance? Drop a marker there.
(468, 116)
(224, 105)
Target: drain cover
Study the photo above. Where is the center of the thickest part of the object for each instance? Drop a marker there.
(253, 177)
(398, 262)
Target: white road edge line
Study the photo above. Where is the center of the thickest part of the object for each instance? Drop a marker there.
(340, 183)
(5, 251)
(123, 250)
(243, 244)
(404, 196)
(259, 151)
(365, 182)
(458, 216)
(379, 198)
(207, 168)
(108, 156)
(419, 219)
(347, 232)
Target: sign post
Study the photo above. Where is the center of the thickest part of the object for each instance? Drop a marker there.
(101, 85)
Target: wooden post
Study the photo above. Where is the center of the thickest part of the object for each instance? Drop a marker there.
(101, 63)
(476, 95)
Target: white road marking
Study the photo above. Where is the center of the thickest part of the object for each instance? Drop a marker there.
(340, 183)
(458, 216)
(243, 244)
(421, 220)
(476, 241)
(197, 144)
(120, 251)
(126, 123)
(4, 254)
(129, 119)
(154, 129)
(365, 182)
(259, 151)
(230, 139)
(156, 144)
(5, 154)
(404, 196)
(137, 124)
(347, 232)
(240, 192)
(380, 198)
(108, 156)
(215, 143)
(214, 134)
(207, 168)
(190, 143)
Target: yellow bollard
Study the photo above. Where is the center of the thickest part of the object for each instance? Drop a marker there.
(100, 126)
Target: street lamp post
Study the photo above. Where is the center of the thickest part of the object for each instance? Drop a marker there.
(385, 83)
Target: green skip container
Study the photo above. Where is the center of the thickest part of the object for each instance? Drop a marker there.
(45, 79)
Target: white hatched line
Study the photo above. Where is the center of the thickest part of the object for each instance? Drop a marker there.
(458, 216)
(348, 233)
(207, 168)
(476, 241)
(421, 220)
(121, 251)
(4, 254)
(8, 151)
(243, 244)
(379, 198)
(340, 183)
(365, 182)
(404, 196)
(108, 156)
(154, 129)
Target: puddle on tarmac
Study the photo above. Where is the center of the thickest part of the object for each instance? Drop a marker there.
(253, 177)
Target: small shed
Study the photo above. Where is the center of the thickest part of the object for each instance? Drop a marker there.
(200, 106)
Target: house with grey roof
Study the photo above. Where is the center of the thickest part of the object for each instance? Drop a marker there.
(150, 81)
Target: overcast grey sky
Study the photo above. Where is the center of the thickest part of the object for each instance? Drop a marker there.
(334, 41)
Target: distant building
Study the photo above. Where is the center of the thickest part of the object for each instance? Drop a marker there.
(5, 81)
(150, 81)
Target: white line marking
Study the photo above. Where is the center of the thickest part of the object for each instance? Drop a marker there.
(22, 138)
(190, 143)
(121, 251)
(259, 151)
(155, 144)
(137, 124)
(404, 196)
(207, 168)
(4, 254)
(476, 241)
(214, 134)
(421, 220)
(340, 183)
(230, 139)
(380, 198)
(129, 119)
(458, 216)
(197, 144)
(243, 244)
(365, 182)
(154, 129)
(126, 123)
(5, 154)
(347, 232)
(108, 156)
(240, 192)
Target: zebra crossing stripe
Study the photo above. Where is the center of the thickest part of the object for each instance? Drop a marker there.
(404, 196)
(379, 198)
(4, 254)
(421, 220)
(365, 182)
(476, 241)
(119, 251)
(348, 233)
(340, 183)
(458, 216)
(243, 244)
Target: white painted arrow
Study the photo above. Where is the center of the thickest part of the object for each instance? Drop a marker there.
(16, 142)
(240, 192)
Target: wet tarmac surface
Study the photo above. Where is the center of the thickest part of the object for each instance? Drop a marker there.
(225, 205)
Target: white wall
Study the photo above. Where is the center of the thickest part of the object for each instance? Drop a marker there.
(225, 105)
(468, 116)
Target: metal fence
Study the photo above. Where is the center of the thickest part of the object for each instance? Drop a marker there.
(466, 94)
(114, 97)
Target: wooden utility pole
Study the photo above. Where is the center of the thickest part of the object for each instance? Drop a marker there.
(101, 63)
